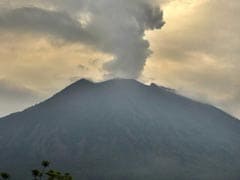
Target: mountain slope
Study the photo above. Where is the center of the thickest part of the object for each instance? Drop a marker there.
(122, 129)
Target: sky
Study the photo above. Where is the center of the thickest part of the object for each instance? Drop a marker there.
(188, 45)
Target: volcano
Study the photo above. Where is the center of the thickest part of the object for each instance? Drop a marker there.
(122, 130)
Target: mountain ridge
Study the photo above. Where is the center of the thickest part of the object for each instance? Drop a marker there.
(83, 82)
(123, 129)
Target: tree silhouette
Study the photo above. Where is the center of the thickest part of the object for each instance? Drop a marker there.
(55, 175)
(36, 173)
(5, 175)
(39, 175)
(44, 164)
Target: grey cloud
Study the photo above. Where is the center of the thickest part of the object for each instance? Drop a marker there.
(122, 25)
(37, 20)
(116, 27)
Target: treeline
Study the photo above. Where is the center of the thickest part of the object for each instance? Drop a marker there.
(44, 173)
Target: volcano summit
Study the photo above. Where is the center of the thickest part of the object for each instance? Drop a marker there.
(122, 129)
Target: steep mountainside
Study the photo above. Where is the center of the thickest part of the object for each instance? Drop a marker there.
(122, 130)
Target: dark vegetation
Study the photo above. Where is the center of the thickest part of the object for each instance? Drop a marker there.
(42, 174)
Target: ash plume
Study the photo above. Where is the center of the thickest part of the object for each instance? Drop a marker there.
(120, 26)
(116, 27)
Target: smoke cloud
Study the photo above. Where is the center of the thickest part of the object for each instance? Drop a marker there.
(121, 26)
(116, 27)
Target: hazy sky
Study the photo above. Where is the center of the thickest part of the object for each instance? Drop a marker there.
(193, 47)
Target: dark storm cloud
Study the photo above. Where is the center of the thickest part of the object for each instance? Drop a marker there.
(114, 27)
